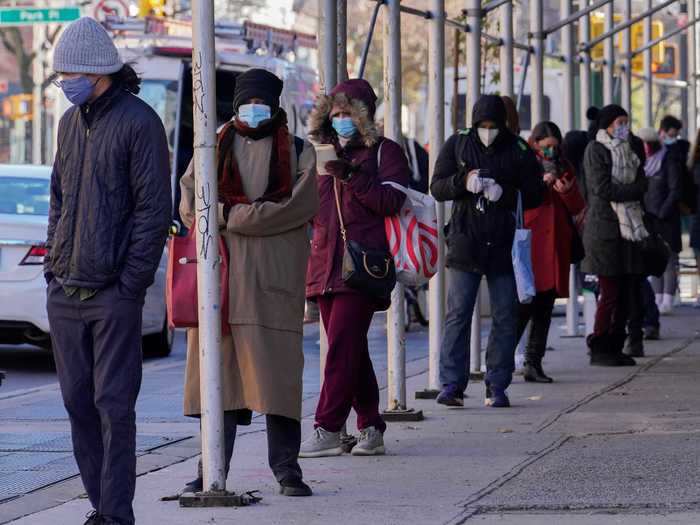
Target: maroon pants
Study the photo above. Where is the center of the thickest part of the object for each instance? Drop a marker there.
(619, 301)
(349, 380)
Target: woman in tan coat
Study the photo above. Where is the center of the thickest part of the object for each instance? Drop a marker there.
(267, 194)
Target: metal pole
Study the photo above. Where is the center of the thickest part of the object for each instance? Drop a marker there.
(473, 56)
(507, 50)
(329, 51)
(691, 119)
(342, 52)
(436, 110)
(38, 37)
(368, 42)
(648, 109)
(537, 92)
(208, 282)
(396, 341)
(567, 41)
(626, 70)
(567, 44)
(695, 70)
(608, 67)
(585, 67)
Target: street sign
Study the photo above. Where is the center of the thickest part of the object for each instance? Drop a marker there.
(27, 16)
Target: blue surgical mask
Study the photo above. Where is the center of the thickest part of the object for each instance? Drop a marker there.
(344, 126)
(670, 141)
(254, 114)
(78, 90)
(621, 132)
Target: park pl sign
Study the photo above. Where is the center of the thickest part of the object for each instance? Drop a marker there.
(27, 16)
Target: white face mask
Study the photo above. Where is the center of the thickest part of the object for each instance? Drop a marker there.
(487, 136)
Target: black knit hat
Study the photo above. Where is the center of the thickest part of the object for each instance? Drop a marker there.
(608, 115)
(257, 83)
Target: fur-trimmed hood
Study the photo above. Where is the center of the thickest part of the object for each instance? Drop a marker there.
(358, 99)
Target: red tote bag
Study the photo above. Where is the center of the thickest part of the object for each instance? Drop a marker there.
(181, 282)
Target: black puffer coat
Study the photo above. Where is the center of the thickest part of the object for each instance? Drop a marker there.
(110, 195)
(662, 199)
(482, 242)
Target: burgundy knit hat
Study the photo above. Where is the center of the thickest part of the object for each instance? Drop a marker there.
(358, 89)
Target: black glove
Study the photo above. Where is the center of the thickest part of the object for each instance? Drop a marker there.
(341, 169)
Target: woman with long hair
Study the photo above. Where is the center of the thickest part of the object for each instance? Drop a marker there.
(553, 236)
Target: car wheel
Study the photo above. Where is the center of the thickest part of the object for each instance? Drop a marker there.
(160, 344)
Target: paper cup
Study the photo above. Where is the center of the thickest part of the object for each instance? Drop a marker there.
(324, 153)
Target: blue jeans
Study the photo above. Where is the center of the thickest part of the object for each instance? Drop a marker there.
(462, 290)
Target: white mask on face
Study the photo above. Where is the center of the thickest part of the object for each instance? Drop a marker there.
(487, 136)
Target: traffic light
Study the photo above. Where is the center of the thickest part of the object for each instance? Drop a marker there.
(17, 107)
(667, 67)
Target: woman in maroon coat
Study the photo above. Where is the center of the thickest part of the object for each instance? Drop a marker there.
(345, 118)
(552, 237)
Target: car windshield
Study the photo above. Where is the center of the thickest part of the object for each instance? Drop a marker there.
(161, 95)
(24, 196)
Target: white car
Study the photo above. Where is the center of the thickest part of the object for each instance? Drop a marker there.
(24, 216)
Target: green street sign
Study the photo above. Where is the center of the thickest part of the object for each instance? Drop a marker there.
(27, 16)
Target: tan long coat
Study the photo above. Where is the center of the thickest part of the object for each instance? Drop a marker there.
(263, 359)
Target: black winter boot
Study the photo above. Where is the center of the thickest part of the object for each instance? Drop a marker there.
(634, 348)
(617, 342)
(532, 371)
(602, 353)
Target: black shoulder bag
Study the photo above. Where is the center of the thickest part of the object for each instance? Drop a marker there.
(369, 271)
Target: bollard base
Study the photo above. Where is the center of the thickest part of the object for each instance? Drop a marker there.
(427, 394)
(402, 415)
(218, 499)
(476, 376)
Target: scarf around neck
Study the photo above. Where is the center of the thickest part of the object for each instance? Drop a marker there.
(279, 184)
(652, 166)
(625, 164)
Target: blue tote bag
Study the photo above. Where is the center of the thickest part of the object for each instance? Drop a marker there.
(522, 257)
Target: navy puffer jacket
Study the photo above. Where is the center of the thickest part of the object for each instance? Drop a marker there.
(111, 201)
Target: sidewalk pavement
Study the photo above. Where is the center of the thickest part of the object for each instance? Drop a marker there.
(599, 446)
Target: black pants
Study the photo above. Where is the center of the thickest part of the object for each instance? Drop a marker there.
(283, 442)
(636, 292)
(97, 348)
(539, 311)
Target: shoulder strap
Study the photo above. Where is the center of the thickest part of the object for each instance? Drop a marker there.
(298, 146)
(460, 144)
(343, 232)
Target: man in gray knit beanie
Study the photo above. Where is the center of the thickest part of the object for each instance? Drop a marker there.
(108, 221)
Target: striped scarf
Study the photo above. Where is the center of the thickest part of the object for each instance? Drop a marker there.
(625, 163)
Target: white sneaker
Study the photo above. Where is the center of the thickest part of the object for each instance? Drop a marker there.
(371, 443)
(667, 305)
(320, 444)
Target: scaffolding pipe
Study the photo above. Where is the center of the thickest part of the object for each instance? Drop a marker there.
(506, 51)
(368, 42)
(474, 14)
(207, 236)
(626, 69)
(342, 35)
(666, 82)
(329, 51)
(537, 91)
(585, 68)
(609, 54)
(567, 44)
(396, 343)
(648, 87)
(436, 110)
(612, 31)
(691, 118)
(495, 4)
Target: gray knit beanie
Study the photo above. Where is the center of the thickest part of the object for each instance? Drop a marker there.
(86, 47)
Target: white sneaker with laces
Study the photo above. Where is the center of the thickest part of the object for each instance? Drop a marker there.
(321, 444)
(371, 443)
